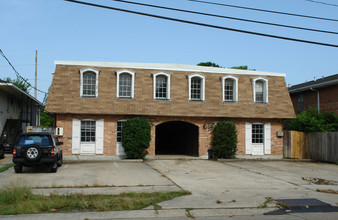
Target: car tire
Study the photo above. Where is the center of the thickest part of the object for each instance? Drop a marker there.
(54, 167)
(60, 161)
(18, 168)
(33, 153)
(2, 156)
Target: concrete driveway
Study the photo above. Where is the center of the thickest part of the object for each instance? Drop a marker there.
(244, 184)
(109, 177)
(228, 188)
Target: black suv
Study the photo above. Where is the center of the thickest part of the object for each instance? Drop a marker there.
(2, 150)
(36, 149)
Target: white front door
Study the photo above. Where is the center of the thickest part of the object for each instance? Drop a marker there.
(87, 148)
(257, 149)
(257, 139)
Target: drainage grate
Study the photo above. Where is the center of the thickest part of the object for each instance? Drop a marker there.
(302, 205)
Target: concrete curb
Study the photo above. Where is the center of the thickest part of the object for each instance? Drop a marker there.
(147, 214)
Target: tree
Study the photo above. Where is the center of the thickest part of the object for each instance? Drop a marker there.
(224, 141)
(208, 64)
(313, 121)
(46, 120)
(242, 68)
(136, 137)
(21, 83)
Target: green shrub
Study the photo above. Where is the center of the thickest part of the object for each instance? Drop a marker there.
(136, 138)
(312, 121)
(224, 140)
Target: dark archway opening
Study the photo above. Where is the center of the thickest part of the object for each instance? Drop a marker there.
(176, 138)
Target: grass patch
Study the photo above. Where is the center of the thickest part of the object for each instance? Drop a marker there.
(20, 200)
(3, 169)
(265, 204)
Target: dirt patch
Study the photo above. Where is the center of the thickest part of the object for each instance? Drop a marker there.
(327, 191)
(319, 181)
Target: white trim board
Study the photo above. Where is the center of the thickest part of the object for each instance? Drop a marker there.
(171, 67)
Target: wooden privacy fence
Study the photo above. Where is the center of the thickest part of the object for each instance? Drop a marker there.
(294, 144)
(322, 146)
(319, 146)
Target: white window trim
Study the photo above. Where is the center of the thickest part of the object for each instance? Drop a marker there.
(235, 89)
(266, 89)
(168, 85)
(202, 77)
(82, 71)
(132, 82)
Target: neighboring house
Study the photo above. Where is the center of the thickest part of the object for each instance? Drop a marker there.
(18, 110)
(318, 93)
(91, 101)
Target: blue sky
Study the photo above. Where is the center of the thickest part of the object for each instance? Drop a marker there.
(62, 30)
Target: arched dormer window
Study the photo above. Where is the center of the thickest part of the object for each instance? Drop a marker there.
(230, 89)
(89, 78)
(196, 87)
(125, 84)
(260, 90)
(161, 85)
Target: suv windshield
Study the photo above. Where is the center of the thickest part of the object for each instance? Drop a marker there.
(42, 140)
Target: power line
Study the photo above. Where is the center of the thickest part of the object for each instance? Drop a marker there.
(203, 24)
(226, 17)
(323, 3)
(264, 10)
(18, 74)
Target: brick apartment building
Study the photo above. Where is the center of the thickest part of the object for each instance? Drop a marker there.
(318, 93)
(91, 100)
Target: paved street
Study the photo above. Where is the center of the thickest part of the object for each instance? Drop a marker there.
(230, 189)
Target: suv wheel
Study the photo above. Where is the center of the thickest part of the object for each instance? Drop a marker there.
(18, 168)
(60, 161)
(54, 167)
(33, 153)
(2, 156)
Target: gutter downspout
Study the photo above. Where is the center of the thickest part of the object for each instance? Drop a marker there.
(318, 105)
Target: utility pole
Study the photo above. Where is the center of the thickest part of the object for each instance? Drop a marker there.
(36, 74)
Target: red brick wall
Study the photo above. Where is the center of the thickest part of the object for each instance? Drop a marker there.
(205, 135)
(327, 97)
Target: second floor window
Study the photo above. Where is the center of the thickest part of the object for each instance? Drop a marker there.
(196, 87)
(260, 90)
(230, 89)
(161, 86)
(89, 83)
(125, 84)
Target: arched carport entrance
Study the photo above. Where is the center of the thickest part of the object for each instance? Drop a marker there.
(176, 138)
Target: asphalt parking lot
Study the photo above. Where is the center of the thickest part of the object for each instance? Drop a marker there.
(219, 188)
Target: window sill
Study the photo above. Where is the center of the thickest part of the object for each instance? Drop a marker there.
(261, 103)
(125, 98)
(191, 100)
(230, 101)
(88, 97)
(168, 100)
